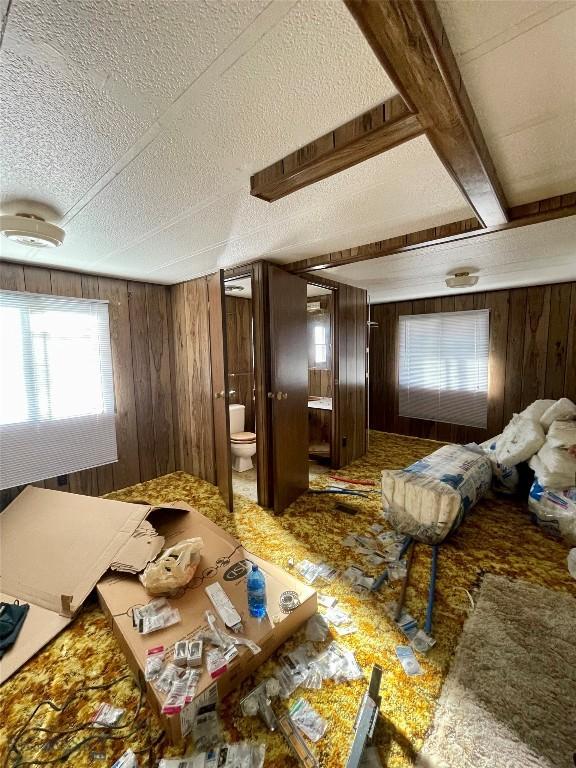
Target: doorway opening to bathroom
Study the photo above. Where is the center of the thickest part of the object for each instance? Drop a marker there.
(241, 385)
(321, 390)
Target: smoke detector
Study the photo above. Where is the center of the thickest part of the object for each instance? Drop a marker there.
(461, 280)
(27, 229)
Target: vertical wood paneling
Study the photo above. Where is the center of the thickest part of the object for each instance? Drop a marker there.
(126, 470)
(498, 302)
(192, 403)
(141, 332)
(557, 339)
(351, 343)
(514, 355)
(101, 479)
(535, 343)
(158, 308)
(532, 355)
(12, 277)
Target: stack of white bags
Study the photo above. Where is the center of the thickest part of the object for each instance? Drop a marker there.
(541, 435)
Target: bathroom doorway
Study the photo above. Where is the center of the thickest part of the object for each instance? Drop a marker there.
(321, 390)
(241, 385)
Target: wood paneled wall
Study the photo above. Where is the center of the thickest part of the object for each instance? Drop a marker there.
(240, 356)
(532, 356)
(192, 379)
(139, 331)
(350, 335)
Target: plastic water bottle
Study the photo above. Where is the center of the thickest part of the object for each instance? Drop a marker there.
(256, 588)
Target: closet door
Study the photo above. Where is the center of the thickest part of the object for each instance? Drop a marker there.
(219, 363)
(289, 385)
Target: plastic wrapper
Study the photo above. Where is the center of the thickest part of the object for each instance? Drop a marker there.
(154, 661)
(240, 755)
(554, 511)
(337, 616)
(107, 715)
(307, 720)
(313, 679)
(169, 675)
(127, 760)
(207, 730)
(176, 699)
(173, 569)
(327, 572)
(192, 678)
(161, 620)
(349, 668)
(216, 663)
(308, 570)
(428, 499)
(316, 628)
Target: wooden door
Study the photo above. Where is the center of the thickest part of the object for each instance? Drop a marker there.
(219, 364)
(288, 385)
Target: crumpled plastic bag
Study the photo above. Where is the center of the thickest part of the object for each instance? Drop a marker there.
(173, 569)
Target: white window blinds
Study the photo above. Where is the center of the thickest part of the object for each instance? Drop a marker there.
(56, 387)
(443, 370)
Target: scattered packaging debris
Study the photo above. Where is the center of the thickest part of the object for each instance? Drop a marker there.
(307, 720)
(107, 715)
(317, 628)
(337, 616)
(174, 569)
(326, 601)
(240, 755)
(127, 760)
(408, 660)
(154, 661)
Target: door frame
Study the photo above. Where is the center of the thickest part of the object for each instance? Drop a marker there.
(258, 273)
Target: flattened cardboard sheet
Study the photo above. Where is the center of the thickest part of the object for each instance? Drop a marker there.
(54, 547)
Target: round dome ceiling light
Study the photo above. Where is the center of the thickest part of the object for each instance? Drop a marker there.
(27, 229)
(461, 280)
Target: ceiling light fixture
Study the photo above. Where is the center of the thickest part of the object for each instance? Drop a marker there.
(461, 280)
(31, 230)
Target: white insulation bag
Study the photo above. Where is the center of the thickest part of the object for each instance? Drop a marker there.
(429, 499)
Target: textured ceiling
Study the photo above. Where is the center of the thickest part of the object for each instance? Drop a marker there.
(540, 253)
(139, 124)
(136, 125)
(518, 62)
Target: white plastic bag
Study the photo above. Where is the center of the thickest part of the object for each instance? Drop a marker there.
(554, 511)
(560, 461)
(547, 477)
(562, 410)
(173, 569)
(562, 434)
(536, 410)
(521, 439)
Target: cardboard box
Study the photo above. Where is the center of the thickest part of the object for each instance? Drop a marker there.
(54, 547)
(290, 604)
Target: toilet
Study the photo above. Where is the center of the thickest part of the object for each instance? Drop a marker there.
(243, 444)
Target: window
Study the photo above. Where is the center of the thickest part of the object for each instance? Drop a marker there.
(56, 388)
(320, 354)
(443, 370)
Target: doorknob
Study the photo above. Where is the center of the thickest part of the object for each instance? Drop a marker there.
(281, 395)
(220, 394)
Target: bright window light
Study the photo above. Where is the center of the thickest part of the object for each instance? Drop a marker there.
(56, 387)
(443, 371)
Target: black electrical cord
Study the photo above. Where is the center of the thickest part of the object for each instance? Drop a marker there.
(102, 735)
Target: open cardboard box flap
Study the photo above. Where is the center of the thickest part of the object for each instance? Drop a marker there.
(54, 549)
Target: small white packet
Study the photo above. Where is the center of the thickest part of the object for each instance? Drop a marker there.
(337, 616)
(107, 715)
(316, 628)
(169, 675)
(161, 620)
(308, 720)
(154, 661)
(349, 629)
(408, 660)
(181, 653)
(176, 698)
(308, 570)
(127, 760)
(326, 601)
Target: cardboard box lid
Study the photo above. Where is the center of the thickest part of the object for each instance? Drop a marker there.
(54, 548)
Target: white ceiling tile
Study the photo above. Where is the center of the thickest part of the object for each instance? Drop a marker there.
(537, 254)
(518, 62)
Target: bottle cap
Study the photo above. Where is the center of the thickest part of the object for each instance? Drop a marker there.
(254, 567)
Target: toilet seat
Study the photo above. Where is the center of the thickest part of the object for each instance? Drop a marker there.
(244, 438)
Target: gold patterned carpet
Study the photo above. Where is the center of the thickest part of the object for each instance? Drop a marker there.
(498, 537)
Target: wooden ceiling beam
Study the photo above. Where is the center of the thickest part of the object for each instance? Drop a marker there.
(382, 128)
(551, 208)
(409, 40)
